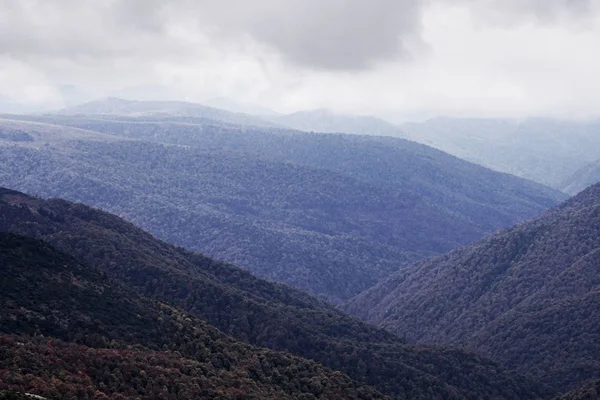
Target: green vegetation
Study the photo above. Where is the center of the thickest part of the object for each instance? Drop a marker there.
(528, 296)
(249, 309)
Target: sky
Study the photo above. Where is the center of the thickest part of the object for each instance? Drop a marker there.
(391, 58)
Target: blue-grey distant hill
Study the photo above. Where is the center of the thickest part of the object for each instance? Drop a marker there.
(328, 213)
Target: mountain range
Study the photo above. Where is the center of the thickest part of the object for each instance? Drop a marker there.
(544, 150)
(98, 294)
(328, 213)
(149, 108)
(527, 296)
(328, 122)
(462, 282)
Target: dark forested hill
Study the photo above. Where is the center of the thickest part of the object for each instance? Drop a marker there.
(581, 179)
(68, 331)
(331, 214)
(528, 296)
(253, 310)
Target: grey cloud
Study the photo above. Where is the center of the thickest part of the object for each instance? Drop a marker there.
(318, 34)
(72, 29)
(332, 34)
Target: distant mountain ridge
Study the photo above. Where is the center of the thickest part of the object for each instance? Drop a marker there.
(543, 150)
(327, 213)
(328, 122)
(546, 151)
(138, 108)
(528, 296)
(249, 309)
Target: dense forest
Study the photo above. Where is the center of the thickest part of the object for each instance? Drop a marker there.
(249, 309)
(330, 214)
(528, 296)
(90, 338)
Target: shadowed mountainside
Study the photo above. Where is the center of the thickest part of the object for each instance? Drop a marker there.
(528, 296)
(95, 339)
(258, 312)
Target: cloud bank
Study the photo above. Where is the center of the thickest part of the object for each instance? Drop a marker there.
(404, 57)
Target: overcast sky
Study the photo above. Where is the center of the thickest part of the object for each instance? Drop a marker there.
(510, 58)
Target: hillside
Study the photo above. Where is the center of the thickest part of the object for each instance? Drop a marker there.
(255, 311)
(581, 179)
(543, 150)
(527, 296)
(96, 339)
(360, 207)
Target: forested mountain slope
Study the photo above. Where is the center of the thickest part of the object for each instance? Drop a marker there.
(331, 214)
(256, 311)
(543, 150)
(528, 296)
(96, 339)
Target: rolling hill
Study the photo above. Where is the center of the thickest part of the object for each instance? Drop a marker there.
(67, 331)
(527, 296)
(330, 214)
(249, 309)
